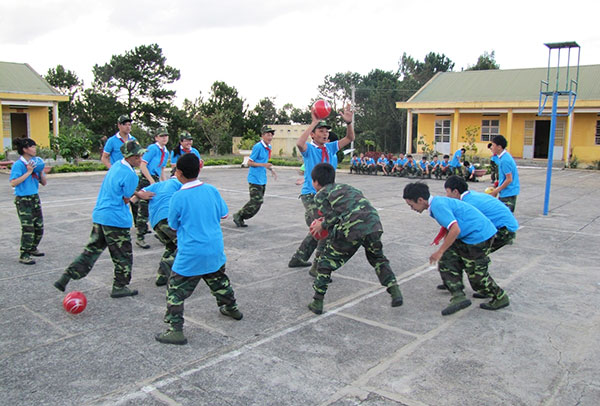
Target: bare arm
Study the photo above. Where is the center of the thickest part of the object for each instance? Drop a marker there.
(347, 115)
(43, 180)
(301, 143)
(105, 158)
(146, 172)
(21, 179)
(448, 241)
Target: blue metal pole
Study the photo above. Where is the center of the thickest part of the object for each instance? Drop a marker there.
(550, 152)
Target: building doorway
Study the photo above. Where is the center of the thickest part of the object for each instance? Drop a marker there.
(542, 139)
(18, 126)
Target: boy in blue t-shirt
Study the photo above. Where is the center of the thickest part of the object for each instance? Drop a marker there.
(314, 152)
(159, 195)
(465, 247)
(195, 212)
(257, 176)
(508, 177)
(355, 164)
(185, 147)
(151, 170)
(470, 172)
(111, 223)
(445, 169)
(424, 167)
(112, 147)
(410, 166)
(25, 176)
(455, 164)
(398, 169)
(382, 164)
(435, 167)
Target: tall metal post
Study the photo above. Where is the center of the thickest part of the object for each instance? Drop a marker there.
(550, 153)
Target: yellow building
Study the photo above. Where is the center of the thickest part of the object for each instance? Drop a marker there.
(506, 102)
(284, 141)
(25, 98)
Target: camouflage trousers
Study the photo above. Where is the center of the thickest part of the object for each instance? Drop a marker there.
(141, 208)
(510, 202)
(473, 259)
(118, 242)
(503, 237)
(168, 237)
(338, 251)
(309, 244)
(257, 193)
(493, 171)
(181, 287)
(29, 209)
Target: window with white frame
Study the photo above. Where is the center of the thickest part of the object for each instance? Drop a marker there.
(598, 132)
(442, 130)
(489, 129)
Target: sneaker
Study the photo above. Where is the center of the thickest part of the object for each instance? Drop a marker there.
(61, 283)
(478, 295)
(161, 280)
(171, 337)
(233, 313)
(396, 295)
(316, 306)
(122, 292)
(238, 221)
(27, 260)
(37, 253)
(296, 262)
(442, 287)
(140, 242)
(496, 303)
(456, 303)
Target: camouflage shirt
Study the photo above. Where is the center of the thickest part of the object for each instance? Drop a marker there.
(346, 212)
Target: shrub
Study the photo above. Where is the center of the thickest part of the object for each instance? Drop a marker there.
(82, 167)
(73, 142)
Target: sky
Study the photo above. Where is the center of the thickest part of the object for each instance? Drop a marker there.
(283, 49)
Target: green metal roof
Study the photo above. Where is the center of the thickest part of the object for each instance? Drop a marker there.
(21, 78)
(505, 85)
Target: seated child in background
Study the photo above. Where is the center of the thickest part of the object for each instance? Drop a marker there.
(445, 167)
(435, 167)
(352, 222)
(424, 168)
(470, 172)
(410, 166)
(399, 165)
(355, 164)
(382, 164)
(195, 212)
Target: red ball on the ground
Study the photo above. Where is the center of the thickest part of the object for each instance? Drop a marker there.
(75, 302)
(319, 236)
(322, 109)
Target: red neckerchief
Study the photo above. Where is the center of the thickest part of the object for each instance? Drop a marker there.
(440, 236)
(267, 148)
(162, 154)
(186, 151)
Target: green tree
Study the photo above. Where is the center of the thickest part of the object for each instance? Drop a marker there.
(73, 142)
(485, 62)
(66, 82)
(138, 79)
(262, 114)
(224, 98)
(216, 128)
(99, 111)
(420, 72)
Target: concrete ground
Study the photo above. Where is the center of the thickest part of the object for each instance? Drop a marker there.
(541, 350)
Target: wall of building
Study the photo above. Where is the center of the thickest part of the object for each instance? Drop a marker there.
(38, 124)
(583, 141)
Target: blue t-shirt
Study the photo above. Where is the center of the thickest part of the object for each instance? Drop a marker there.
(495, 159)
(312, 156)
(195, 212)
(455, 163)
(401, 162)
(411, 164)
(158, 206)
(492, 208)
(470, 169)
(382, 160)
(156, 158)
(113, 147)
(508, 165)
(444, 164)
(423, 165)
(120, 182)
(174, 157)
(433, 164)
(355, 161)
(260, 154)
(31, 184)
(474, 226)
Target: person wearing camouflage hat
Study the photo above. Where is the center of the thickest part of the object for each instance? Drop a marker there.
(352, 222)
(112, 148)
(111, 223)
(257, 176)
(185, 147)
(151, 171)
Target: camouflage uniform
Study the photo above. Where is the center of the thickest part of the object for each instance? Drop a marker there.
(474, 260)
(309, 244)
(118, 241)
(141, 208)
(503, 237)
(168, 237)
(510, 202)
(257, 193)
(29, 209)
(352, 222)
(181, 287)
